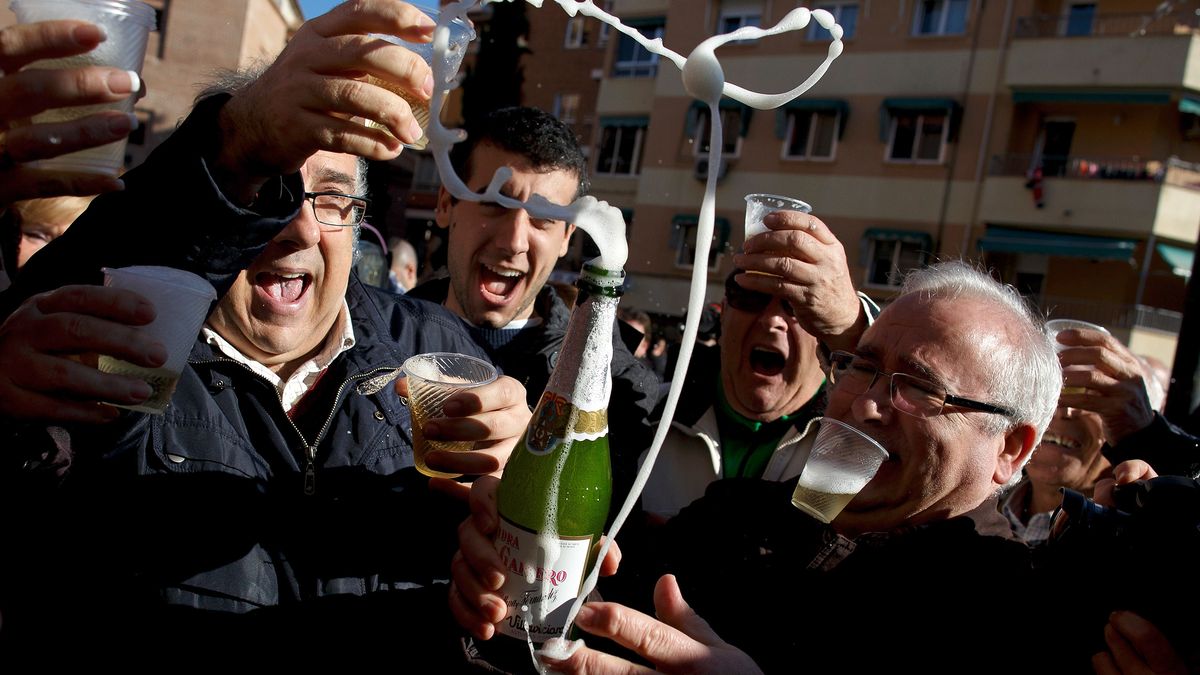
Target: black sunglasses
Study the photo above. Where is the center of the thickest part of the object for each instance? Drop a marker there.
(752, 301)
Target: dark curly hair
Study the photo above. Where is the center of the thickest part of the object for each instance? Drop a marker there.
(538, 136)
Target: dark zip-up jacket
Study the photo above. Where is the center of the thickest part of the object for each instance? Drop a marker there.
(224, 507)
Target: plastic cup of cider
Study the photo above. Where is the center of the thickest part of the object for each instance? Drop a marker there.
(181, 301)
(842, 462)
(460, 36)
(433, 378)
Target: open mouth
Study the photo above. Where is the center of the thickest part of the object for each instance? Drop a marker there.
(498, 283)
(767, 361)
(283, 288)
(1062, 441)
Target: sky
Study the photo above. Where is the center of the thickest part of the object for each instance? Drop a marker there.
(313, 8)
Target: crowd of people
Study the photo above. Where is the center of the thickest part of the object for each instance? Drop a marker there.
(273, 510)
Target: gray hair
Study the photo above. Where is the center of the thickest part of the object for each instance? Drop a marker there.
(1025, 378)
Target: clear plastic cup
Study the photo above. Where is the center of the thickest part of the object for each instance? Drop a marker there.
(128, 24)
(759, 205)
(460, 36)
(433, 378)
(181, 300)
(842, 462)
(1056, 326)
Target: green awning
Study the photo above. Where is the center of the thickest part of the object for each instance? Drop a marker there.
(948, 105)
(841, 107)
(629, 121)
(693, 114)
(1189, 105)
(1005, 240)
(1136, 97)
(1180, 259)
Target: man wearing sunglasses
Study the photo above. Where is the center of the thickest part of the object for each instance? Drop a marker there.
(747, 409)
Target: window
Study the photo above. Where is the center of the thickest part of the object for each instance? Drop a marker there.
(633, 60)
(731, 128)
(575, 37)
(738, 13)
(620, 152)
(846, 15)
(1080, 18)
(891, 258)
(917, 136)
(812, 134)
(605, 29)
(940, 17)
(686, 249)
(566, 107)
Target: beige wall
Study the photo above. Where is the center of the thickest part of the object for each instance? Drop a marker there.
(1149, 61)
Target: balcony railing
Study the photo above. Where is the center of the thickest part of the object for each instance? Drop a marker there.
(1100, 168)
(1113, 316)
(1107, 25)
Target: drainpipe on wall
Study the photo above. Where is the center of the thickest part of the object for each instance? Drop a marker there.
(966, 91)
(988, 121)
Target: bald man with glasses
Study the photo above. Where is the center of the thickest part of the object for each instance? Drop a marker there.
(748, 406)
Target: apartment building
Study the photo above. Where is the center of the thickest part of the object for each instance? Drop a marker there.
(1053, 140)
(195, 39)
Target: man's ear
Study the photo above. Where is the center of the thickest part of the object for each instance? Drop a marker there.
(566, 243)
(1018, 446)
(441, 213)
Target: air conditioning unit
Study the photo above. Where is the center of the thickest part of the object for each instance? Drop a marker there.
(700, 169)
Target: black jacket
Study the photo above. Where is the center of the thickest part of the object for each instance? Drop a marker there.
(956, 595)
(223, 517)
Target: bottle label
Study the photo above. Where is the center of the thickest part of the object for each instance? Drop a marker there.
(556, 419)
(543, 576)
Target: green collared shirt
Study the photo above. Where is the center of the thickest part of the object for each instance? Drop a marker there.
(746, 444)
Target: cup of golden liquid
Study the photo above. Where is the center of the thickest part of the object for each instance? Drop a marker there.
(460, 36)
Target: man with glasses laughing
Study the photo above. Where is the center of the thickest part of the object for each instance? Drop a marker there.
(276, 496)
(748, 411)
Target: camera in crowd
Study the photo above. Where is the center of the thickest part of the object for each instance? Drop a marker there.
(1142, 556)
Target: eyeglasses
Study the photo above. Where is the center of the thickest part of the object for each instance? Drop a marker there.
(752, 301)
(337, 209)
(912, 395)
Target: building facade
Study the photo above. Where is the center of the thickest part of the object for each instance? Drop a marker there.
(1053, 140)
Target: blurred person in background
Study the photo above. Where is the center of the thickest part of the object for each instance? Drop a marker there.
(402, 273)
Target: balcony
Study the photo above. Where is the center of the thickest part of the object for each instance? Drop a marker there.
(1126, 196)
(1139, 51)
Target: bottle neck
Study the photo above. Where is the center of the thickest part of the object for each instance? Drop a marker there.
(583, 372)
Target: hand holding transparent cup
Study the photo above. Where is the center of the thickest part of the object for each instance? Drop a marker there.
(432, 379)
(1056, 326)
(127, 24)
(759, 205)
(460, 35)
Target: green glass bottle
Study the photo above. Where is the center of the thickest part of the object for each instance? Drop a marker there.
(554, 496)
